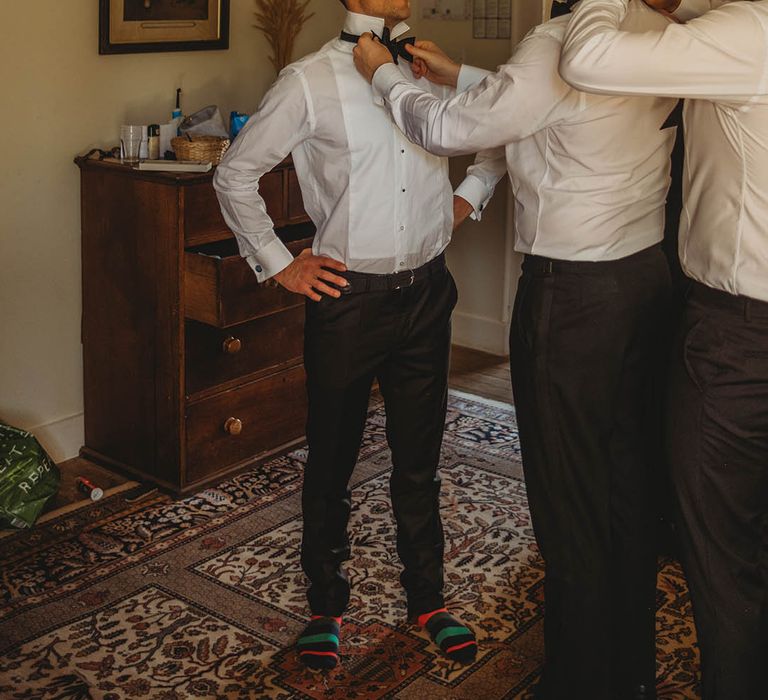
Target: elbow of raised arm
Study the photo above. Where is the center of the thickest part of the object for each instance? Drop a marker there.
(431, 139)
(446, 139)
(573, 71)
(441, 149)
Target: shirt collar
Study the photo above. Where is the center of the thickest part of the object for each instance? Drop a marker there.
(357, 24)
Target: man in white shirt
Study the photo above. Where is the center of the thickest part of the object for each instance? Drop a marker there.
(718, 414)
(590, 176)
(379, 305)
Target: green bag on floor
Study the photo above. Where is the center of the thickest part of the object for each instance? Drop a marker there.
(28, 477)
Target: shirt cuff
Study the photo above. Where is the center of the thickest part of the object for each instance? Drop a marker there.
(384, 79)
(271, 259)
(474, 191)
(469, 76)
(690, 9)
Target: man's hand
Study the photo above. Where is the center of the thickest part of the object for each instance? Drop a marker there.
(663, 5)
(370, 55)
(461, 210)
(305, 274)
(432, 63)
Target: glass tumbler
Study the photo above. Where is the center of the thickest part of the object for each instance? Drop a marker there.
(131, 139)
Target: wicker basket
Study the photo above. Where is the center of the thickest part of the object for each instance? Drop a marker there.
(206, 149)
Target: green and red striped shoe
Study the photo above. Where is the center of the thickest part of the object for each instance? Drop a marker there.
(318, 645)
(456, 641)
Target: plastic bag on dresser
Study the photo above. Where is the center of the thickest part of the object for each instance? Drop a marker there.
(206, 122)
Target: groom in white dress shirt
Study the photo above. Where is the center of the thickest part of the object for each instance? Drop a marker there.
(379, 303)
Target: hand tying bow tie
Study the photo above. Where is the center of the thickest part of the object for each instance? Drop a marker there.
(395, 46)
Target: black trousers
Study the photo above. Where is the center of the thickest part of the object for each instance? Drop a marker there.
(402, 337)
(717, 438)
(586, 342)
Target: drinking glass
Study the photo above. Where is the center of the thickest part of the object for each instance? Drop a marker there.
(131, 139)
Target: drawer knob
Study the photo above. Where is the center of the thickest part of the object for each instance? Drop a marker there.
(232, 345)
(233, 426)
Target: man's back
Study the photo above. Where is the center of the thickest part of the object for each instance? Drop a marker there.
(719, 62)
(589, 173)
(723, 236)
(591, 183)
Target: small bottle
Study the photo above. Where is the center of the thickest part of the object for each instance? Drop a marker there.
(153, 141)
(89, 488)
(237, 121)
(177, 115)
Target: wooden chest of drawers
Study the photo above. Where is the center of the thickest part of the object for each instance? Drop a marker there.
(192, 370)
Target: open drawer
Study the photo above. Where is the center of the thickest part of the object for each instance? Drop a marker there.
(221, 289)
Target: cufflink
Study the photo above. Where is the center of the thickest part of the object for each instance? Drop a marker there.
(259, 268)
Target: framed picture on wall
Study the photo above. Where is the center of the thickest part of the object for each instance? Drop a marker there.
(145, 26)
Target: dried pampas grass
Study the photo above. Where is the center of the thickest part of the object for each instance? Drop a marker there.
(281, 21)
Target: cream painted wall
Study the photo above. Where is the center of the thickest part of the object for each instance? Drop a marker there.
(59, 99)
(476, 256)
(481, 255)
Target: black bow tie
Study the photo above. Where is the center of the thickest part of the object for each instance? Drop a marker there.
(396, 46)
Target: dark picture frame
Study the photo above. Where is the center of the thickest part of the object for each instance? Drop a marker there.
(187, 31)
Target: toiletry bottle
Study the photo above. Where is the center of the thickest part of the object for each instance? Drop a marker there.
(176, 115)
(153, 145)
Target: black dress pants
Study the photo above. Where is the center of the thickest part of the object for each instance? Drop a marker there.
(402, 337)
(586, 343)
(717, 439)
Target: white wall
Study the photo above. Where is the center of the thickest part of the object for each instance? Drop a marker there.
(60, 98)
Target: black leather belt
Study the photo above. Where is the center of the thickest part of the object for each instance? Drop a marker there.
(360, 282)
(539, 265)
(715, 298)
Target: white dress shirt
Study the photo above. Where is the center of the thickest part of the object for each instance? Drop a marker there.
(720, 60)
(380, 204)
(589, 173)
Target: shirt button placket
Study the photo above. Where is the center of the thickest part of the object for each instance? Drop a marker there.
(401, 228)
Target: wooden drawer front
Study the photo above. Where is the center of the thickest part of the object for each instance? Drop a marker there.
(272, 412)
(223, 292)
(216, 356)
(203, 221)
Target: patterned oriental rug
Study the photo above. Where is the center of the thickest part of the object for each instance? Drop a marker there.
(203, 598)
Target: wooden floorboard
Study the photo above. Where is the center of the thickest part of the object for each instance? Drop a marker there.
(480, 373)
(71, 469)
(472, 371)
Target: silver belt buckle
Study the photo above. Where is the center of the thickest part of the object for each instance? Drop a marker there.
(410, 280)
